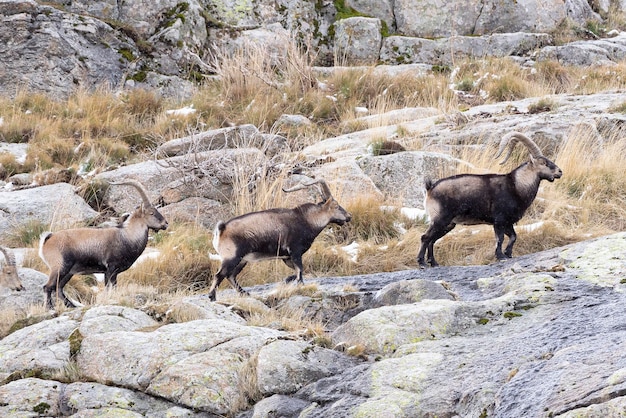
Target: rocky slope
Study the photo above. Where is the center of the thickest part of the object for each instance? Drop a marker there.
(55, 47)
(538, 336)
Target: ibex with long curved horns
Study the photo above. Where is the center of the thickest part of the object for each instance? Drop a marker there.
(494, 199)
(285, 234)
(98, 250)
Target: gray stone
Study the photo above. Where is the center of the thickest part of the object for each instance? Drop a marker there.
(203, 211)
(232, 137)
(56, 205)
(444, 51)
(43, 346)
(109, 318)
(586, 53)
(283, 367)
(279, 406)
(86, 399)
(433, 19)
(293, 120)
(31, 397)
(410, 291)
(50, 51)
(358, 41)
(401, 176)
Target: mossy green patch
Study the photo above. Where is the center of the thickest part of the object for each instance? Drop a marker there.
(600, 262)
(344, 11)
(75, 339)
(127, 54)
(41, 408)
(511, 315)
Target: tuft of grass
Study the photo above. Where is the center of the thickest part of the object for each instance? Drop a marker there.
(543, 105)
(9, 166)
(619, 108)
(370, 222)
(593, 180)
(284, 291)
(25, 235)
(12, 320)
(466, 84)
(182, 263)
(505, 88)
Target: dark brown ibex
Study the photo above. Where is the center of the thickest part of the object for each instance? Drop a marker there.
(494, 199)
(285, 234)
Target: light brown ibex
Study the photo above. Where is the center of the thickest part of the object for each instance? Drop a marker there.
(109, 250)
(8, 273)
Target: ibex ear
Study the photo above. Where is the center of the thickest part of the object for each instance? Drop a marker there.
(532, 159)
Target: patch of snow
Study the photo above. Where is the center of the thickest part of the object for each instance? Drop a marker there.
(531, 227)
(184, 111)
(148, 254)
(352, 250)
(411, 213)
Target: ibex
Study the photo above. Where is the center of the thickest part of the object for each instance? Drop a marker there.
(285, 234)
(494, 199)
(8, 273)
(109, 250)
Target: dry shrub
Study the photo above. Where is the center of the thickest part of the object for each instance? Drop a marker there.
(146, 104)
(261, 84)
(597, 79)
(248, 384)
(554, 76)
(82, 289)
(284, 291)
(150, 299)
(9, 166)
(25, 234)
(593, 179)
(18, 128)
(179, 314)
(287, 318)
(51, 151)
(370, 222)
(12, 319)
(181, 264)
(324, 260)
(506, 87)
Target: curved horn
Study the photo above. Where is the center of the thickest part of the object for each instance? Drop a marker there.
(8, 256)
(326, 194)
(138, 186)
(325, 190)
(511, 139)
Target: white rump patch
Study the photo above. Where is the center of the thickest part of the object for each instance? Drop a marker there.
(215, 257)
